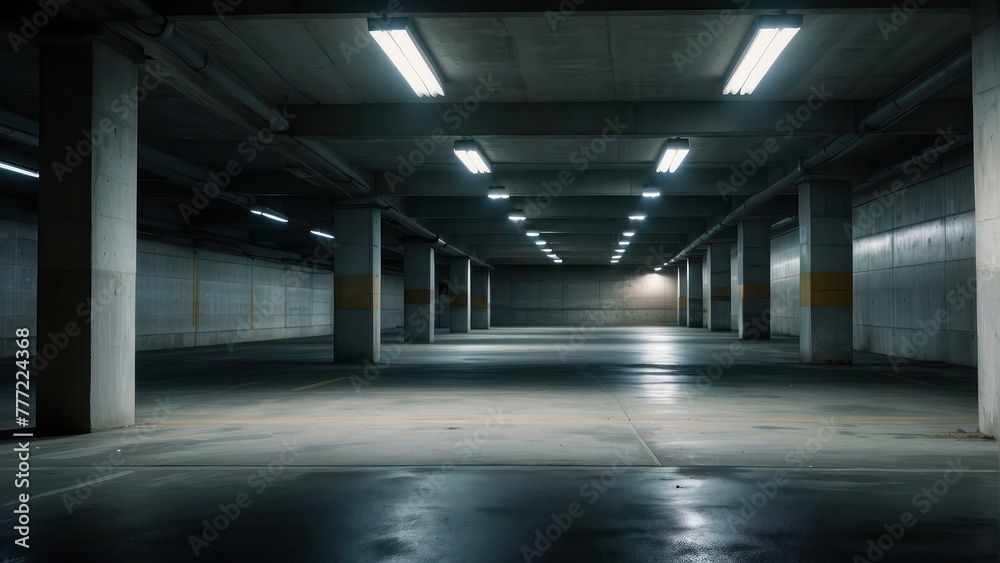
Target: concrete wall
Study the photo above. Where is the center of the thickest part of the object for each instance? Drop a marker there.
(239, 299)
(914, 252)
(785, 283)
(18, 269)
(574, 295)
(392, 300)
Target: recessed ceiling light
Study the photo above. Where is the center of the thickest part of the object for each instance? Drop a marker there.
(657, 269)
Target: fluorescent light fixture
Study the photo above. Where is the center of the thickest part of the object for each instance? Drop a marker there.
(676, 151)
(624, 243)
(540, 242)
(650, 192)
(553, 256)
(558, 260)
(628, 233)
(770, 37)
(614, 261)
(473, 158)
(321, 234)
(637, 217)
(620, 250)
(517, 217)
(546, 250)
(18, 169)
(533, 233)
(496, 192)
(396, 37)
(657, 269)
(269, 213)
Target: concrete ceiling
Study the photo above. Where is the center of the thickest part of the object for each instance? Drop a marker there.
(555, 83)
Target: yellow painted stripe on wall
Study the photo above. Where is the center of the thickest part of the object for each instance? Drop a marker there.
(417, 297)
(755, 291)
(355, 292)
(826, 289)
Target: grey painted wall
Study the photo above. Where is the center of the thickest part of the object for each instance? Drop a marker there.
(785, 283)
(914, 269)
(574, 295)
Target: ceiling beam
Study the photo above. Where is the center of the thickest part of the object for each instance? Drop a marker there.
(200, 9)
(594, 120)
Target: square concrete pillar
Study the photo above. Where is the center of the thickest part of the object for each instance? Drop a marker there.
(825, 273)
(419, 290)
(695, 315)
(720, 314)
(357, 280)
(754, 279)
(682, 296)
(458, 283)
(480, 299)
(86, 239)
(986, 145)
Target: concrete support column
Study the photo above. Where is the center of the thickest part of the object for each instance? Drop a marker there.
(720, 313)
(86, 239)
(480, 299)
(682, 296)
(357, 268)
(825, 273)
(458, 283)
(695, 315)
(754, 278)
(986, 121)
(419, 290)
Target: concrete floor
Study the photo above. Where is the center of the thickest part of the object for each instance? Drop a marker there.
(657, 443)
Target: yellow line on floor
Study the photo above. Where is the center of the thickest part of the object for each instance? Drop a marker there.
(320, 384)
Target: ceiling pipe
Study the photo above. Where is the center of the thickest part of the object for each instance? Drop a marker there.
(176, 41)
(948, 73)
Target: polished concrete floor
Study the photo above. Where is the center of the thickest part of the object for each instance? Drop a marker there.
(620, 444)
